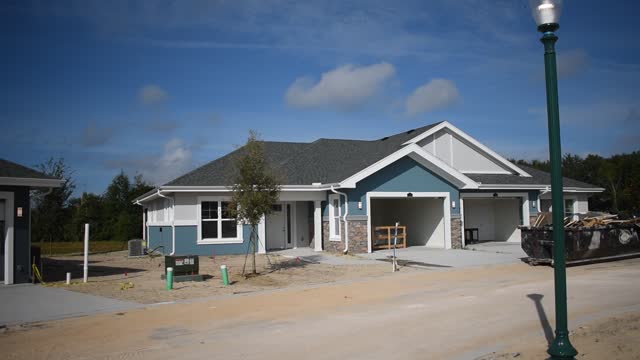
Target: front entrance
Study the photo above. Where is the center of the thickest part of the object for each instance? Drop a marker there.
(278, 227)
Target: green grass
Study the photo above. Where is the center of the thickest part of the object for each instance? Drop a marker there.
(60, 248)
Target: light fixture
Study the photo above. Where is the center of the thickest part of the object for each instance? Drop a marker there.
(546, 12)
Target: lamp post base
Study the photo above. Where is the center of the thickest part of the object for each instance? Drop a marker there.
(561, 348)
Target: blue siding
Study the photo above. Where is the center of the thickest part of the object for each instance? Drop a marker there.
(404, 175)
(187, 241)
(21, 236)
(533, 199)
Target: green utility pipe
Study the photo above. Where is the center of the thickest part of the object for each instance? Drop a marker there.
(561, 347)
(225, 275)
(169, 278)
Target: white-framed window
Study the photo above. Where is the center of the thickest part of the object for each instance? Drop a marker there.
(215, 224)
(569, 207)
(334, 217)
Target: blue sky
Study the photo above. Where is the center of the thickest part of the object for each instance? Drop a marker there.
(160, 87)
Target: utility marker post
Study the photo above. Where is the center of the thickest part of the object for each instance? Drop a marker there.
(395, 240)
(86, 253)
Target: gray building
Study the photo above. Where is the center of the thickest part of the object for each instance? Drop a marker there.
(16, 182)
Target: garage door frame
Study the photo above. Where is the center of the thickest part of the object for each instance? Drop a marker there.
(403, 195)
(493, 195)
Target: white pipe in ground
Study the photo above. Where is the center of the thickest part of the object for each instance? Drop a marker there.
(86, 252)
(68, 278)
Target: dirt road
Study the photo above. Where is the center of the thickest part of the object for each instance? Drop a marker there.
(458, 314)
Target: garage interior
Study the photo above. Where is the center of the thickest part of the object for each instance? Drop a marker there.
(423, 218)
(492, 219)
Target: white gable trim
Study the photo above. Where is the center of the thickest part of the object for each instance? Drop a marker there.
(472, 141)
(427, 160)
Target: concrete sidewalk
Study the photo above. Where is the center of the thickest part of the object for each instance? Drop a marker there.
(27, 303)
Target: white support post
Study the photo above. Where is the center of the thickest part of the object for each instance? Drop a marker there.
(86, 252)
(317, 225)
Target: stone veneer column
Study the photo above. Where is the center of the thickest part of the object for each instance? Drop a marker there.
(456, 232)
(357, 237)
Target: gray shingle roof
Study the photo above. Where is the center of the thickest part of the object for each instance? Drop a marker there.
(12, 170)
(538, 177)
(333, 160)
(324, 160)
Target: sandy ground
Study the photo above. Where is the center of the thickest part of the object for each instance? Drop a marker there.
(117, 276)
(614, 338)
(499, 312)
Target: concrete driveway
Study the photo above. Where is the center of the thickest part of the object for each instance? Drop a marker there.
(26, 303)
(480, 254)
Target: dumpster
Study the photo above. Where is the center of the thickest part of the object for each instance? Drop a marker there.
(583, 244)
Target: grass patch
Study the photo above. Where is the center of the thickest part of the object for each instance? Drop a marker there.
(61, 248)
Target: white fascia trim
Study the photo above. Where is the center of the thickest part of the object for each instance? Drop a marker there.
(218, 241)
(448, 171)
(485, 172)
(537, 187)
(472, 141)
(31, 182)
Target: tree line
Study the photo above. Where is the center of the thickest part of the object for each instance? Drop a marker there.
(619, 175)
(59, 216)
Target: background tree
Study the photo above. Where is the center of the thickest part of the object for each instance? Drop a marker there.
(51, 209)
(255, 189)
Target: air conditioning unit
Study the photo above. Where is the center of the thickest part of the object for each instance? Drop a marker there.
(135, 248)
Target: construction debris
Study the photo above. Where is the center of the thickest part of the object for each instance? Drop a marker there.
(588, 220)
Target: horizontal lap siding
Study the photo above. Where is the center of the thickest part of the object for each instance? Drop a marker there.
(187, 242)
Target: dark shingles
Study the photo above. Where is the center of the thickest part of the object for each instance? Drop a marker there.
(538, 177)
(324, 160)
(13, 170)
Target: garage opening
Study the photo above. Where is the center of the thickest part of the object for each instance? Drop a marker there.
(423, 218)
(492, 219)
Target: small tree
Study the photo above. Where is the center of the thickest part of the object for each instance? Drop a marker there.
(255, 188)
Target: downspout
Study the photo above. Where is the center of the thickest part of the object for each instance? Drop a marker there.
(344, 218)
(173, 222)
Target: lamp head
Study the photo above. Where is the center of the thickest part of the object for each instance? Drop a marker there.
(546, 13)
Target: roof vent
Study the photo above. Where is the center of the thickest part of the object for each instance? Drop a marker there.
(410, 131)
(384, 138)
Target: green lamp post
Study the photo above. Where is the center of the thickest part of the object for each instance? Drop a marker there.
(546, 14)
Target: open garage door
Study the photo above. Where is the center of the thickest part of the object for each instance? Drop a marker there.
(492, 219)
(425, 218)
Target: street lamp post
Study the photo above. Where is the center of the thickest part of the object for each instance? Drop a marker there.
(546, 14)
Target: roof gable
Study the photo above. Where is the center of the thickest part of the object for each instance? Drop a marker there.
(18, 175)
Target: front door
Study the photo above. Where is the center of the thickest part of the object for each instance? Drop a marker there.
(278, 229)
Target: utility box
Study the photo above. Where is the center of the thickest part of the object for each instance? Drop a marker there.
(182, 265)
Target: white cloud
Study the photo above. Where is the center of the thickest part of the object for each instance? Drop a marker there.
(436, 94)
(152, 94)
(344, 88)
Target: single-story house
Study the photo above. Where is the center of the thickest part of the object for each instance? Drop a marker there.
(436, 180)
(16, 181)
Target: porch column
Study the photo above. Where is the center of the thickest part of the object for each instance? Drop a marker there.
(262, 242)
(317, 226)
(144, 228)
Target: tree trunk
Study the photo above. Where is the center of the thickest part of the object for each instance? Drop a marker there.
(253, 249)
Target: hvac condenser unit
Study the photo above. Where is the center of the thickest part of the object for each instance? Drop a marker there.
(135, 248)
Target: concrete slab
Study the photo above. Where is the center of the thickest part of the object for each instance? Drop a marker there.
(479, 255)
(309, 255)
(28, 303)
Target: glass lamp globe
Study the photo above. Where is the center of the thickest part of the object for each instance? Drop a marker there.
(546, 11)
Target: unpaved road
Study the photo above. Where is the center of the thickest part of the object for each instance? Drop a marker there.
(457, 314)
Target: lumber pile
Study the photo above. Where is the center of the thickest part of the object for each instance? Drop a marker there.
(589, 220)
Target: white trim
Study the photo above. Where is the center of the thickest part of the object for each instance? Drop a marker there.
(333, 216)
(262, 235)
(472, 141)
(536, 187)
(16, 181)
(498, 172)
(462, 236)
(526, 214)
(317, 225)
(446, 209)
(185, 223)
(200, 241)
(9, 227)
(447, 171)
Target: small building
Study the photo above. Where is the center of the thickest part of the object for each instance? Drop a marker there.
(16, 182)
(441, 184)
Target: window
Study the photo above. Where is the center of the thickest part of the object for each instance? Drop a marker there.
(568, 207)
(334, 217)
(216, 223)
